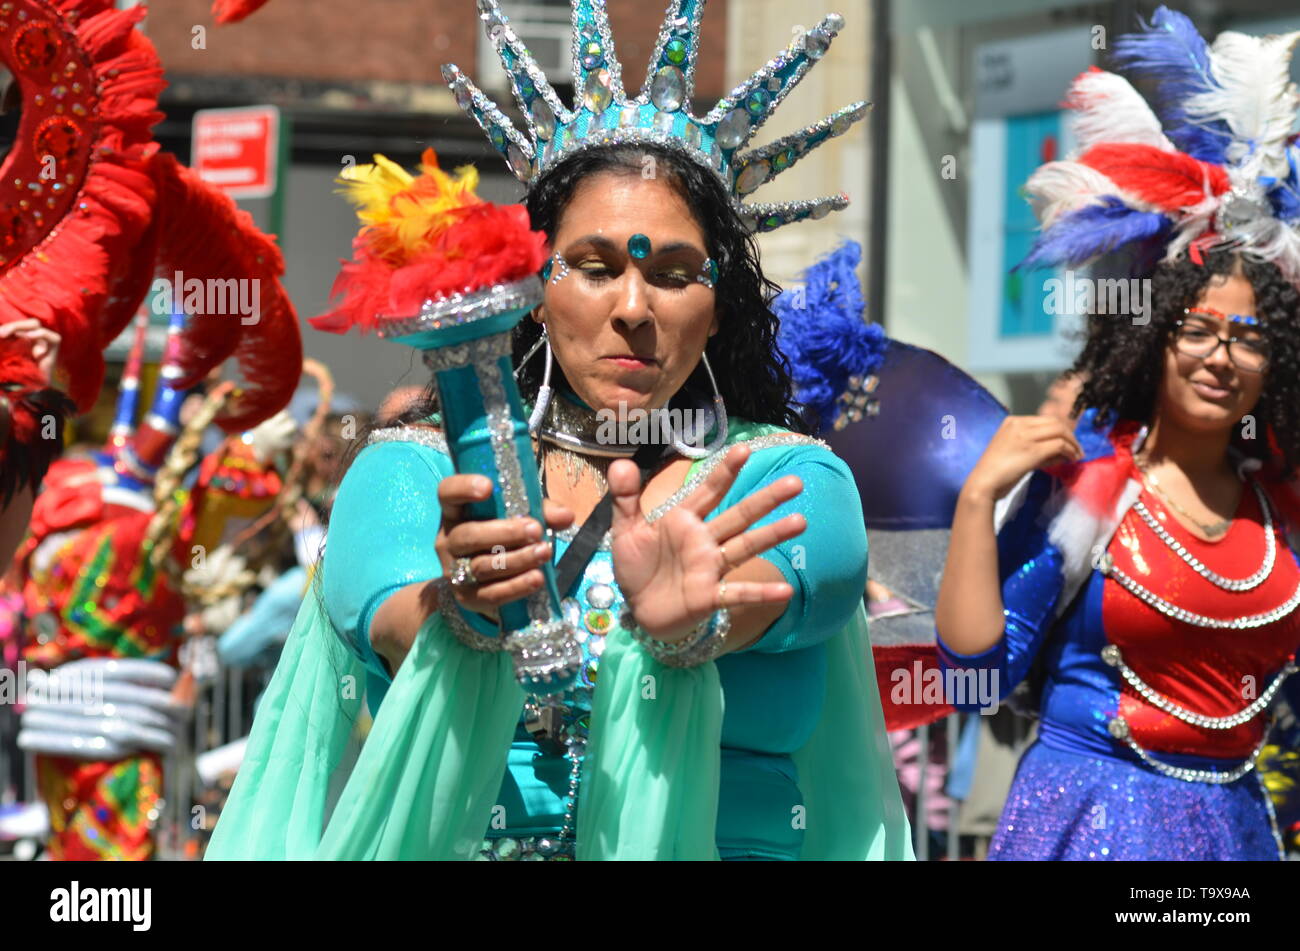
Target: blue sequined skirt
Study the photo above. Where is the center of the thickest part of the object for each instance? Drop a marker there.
(1081, 807)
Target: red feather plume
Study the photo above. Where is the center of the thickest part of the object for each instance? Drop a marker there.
(1171, 181)
(232, 11)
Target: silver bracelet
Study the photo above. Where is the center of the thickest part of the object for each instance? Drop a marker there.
(450, 610)
(703, 644)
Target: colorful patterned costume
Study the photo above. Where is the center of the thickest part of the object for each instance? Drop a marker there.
(90, 211)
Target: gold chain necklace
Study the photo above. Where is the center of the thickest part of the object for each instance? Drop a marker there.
(1213, 529)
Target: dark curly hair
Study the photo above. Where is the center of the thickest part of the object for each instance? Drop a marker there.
(1118, 355)
(753, 375)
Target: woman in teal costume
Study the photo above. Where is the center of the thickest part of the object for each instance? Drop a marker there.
(768, 743)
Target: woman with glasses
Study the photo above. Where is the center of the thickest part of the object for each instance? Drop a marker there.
(1138, 570)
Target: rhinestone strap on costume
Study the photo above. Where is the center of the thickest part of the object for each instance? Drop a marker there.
(1119, 729)
(1188, 617)
(1111, 655)
(1227, 584)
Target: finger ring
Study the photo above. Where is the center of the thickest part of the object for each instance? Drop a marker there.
(722, 593)
(462, 575)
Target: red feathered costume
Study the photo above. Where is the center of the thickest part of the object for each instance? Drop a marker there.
(90, 211)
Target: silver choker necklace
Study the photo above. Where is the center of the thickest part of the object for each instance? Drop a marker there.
(574, 428)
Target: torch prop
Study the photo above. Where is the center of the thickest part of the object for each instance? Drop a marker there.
(462, 273)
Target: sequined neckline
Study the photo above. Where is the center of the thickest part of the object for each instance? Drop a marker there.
(701, 473)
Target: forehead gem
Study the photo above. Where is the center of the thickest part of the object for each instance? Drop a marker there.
(639, 246)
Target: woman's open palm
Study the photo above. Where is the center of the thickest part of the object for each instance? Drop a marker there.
(670, 571)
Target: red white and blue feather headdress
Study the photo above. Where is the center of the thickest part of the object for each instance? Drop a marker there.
(1211, 163)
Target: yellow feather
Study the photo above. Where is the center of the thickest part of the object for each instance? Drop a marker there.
(401, 214)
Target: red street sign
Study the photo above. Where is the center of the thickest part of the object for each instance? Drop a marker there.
(237, 149)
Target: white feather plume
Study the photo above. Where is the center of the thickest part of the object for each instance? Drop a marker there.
(1256, 97)
(1108, 109)
(1058, 188)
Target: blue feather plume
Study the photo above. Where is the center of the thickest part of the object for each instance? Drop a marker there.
(824, 333)
(1171, 51)
(1095, 230)
(1285, 194)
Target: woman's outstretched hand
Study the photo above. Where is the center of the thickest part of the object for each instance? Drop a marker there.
(670, 571)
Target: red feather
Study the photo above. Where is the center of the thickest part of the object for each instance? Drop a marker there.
(232, 11)
(1171, 181)
(203, 235)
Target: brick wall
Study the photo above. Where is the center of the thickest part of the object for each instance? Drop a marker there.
(388, 40)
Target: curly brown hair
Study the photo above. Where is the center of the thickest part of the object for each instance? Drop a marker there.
(1118, 355)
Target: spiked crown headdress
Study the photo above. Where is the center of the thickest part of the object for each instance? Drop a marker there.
(604, 114)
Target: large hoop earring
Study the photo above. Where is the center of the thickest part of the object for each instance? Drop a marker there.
(544, 393)
(720, 414)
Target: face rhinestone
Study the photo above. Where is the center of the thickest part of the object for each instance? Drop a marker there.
(816, 43)
(668, 91)
(591, 54)
(756, 102)
(543, 119)
(675, 52)
(754, 175)
(733, 129)
(519, 163)
(639, 247)
(598, 93)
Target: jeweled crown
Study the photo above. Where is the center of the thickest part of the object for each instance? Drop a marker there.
(603, 113)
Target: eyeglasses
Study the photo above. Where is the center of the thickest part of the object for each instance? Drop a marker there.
(1197, 339)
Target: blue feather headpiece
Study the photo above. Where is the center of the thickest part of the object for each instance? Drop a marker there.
(824, 334)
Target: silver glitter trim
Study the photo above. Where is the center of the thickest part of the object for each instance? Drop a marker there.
(1272, 818)
(449, 608)
(424, 435)
(1112, 656)
(793, 54)
(1188, 617)
(704, 643)
(682, 20)
(480, 352)
(836, 125)
(758, 443)
(1119, 729)
(1216, 579)
(593, 12)
(460, 309)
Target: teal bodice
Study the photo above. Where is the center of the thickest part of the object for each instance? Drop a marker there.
(382, 530)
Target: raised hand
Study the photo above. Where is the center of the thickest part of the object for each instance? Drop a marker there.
(671, 572)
